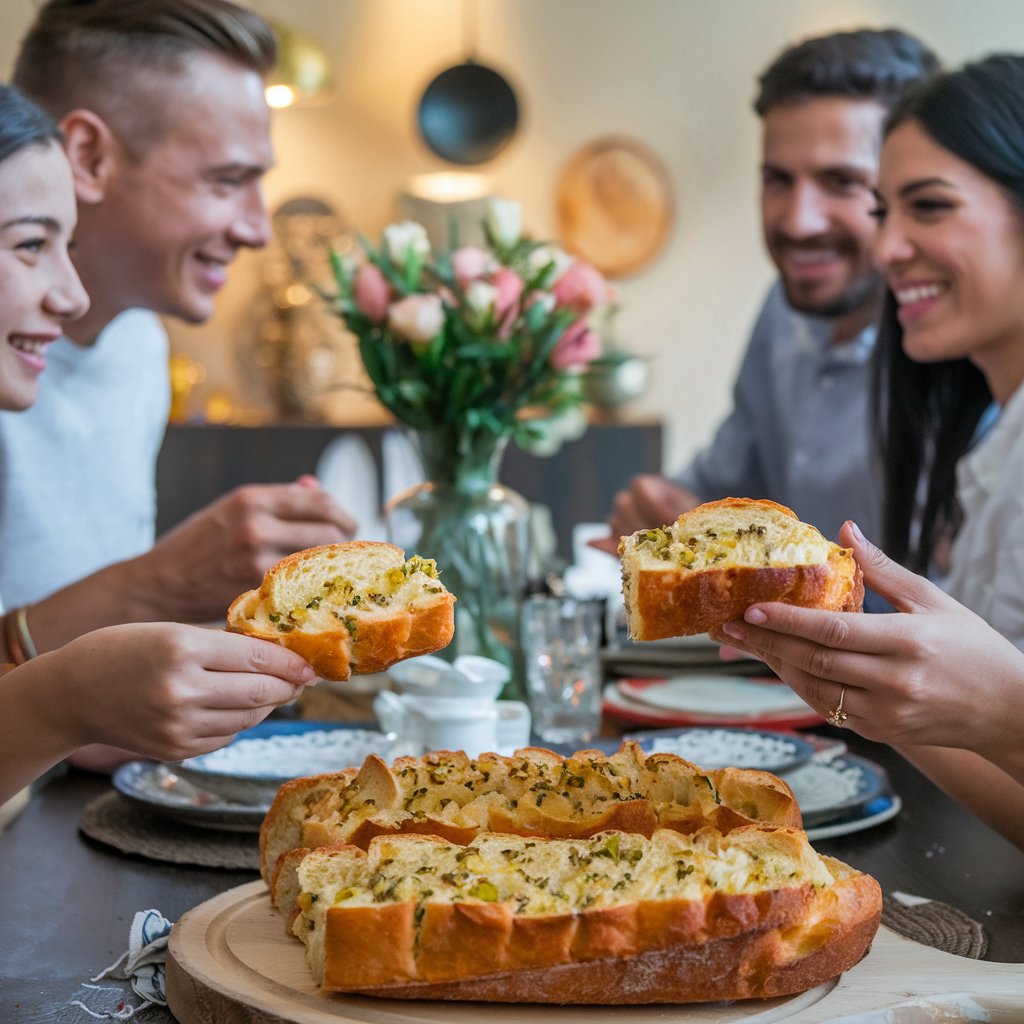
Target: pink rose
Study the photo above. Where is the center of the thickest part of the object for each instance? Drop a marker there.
(372, 292)
(509, 289)
(470, 262)
(577, 346)
(417, 318)
(580, 288)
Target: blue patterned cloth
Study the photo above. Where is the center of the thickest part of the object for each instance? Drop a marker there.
(141, 965)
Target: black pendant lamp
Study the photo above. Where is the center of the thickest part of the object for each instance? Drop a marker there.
(468, 112)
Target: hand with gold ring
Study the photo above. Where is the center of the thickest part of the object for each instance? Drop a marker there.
(915, 676)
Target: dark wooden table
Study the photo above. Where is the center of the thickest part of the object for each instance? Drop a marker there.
(66, 902)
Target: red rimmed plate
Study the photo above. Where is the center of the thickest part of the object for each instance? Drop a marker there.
(620, 706)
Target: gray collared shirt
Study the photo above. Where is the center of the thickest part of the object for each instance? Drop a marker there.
(799, 432)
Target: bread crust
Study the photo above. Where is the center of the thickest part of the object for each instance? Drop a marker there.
(675, 601)
(282, 831)
(724, 946)
(373, 644)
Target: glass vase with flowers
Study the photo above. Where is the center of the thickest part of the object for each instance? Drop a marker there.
(471, 348)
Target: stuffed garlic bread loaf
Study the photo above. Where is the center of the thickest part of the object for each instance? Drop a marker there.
(356, 607)
(533, 792)
(614, 918)
(716, 560)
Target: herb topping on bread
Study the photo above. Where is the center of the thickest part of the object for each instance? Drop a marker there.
(533, 792)
(521, 919)
(355, 607)
(714, 561)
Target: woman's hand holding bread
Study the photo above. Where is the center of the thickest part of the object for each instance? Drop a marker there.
(931, 673)
(165, 690)
(933, 679)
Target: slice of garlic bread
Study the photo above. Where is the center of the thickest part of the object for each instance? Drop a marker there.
(719, 558)
(351, 608)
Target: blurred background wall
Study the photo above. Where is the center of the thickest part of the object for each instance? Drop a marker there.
(677, 75)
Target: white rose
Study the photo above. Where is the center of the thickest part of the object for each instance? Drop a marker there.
(545, 254)
(551, 433)
(504, 219)
(481, 298)
(402, 239)
(417, 318)
(545, 300)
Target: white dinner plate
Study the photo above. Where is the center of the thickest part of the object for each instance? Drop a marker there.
(252, 768)
(616, 705)
(713, 695)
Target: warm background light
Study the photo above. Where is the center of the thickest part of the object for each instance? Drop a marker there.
(449, 186)
(280, 95)
(303, 72)
(677, 76)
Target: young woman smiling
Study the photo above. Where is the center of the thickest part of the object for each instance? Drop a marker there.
(167, 691)
(951, 246)
(941, 679)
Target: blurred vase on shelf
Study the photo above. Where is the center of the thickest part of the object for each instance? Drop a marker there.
(616, 376)
(470, 349)
(613, 380)
(296, 351)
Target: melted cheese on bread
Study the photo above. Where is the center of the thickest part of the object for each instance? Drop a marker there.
(753, 539)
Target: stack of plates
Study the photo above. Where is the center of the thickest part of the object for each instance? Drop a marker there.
(663, 657)
(699, 699)
(232, 788)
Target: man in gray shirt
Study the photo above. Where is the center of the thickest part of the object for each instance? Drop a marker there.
(799, 430)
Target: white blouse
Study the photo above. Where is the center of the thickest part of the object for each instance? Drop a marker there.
(987, 572)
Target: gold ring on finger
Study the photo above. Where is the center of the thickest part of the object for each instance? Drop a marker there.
(837, 716)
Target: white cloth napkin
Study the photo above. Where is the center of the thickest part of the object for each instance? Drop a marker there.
(142, 965)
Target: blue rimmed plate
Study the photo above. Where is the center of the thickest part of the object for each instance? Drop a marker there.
(880, 810)
(722, 747)
(157, 788)
(841, 787)
(251, 768)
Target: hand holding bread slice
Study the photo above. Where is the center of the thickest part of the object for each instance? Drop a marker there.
(716, 560)
(356, 607)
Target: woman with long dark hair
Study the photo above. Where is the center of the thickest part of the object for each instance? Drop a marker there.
(936, 679)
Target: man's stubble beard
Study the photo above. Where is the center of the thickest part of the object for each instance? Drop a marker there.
(860, 295)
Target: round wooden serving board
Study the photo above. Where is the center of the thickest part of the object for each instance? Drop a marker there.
(230, 962)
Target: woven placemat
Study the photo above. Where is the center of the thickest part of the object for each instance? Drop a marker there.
(113, 820)
(936, 924)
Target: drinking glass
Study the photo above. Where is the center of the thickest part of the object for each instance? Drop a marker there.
(561, 639)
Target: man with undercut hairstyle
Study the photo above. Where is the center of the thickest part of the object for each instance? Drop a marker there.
(165, 124)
